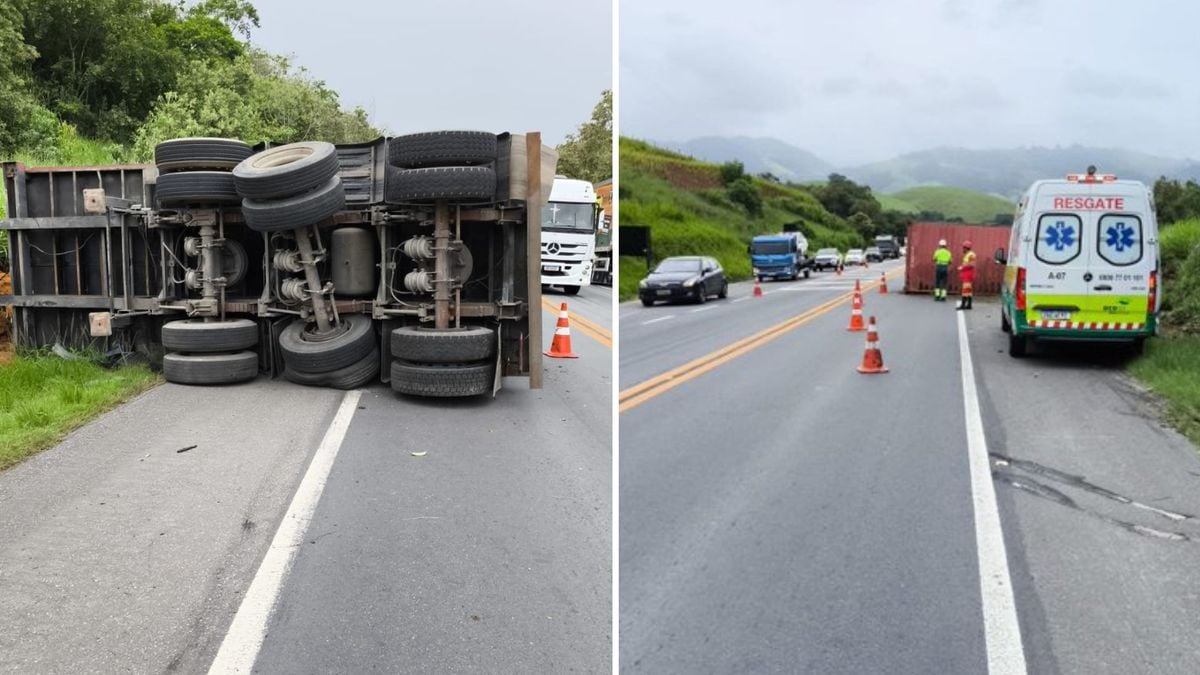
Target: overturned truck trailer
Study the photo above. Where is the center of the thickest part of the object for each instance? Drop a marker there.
(411, 260)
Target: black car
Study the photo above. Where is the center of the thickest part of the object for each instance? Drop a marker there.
(684, 278)
(874, 254)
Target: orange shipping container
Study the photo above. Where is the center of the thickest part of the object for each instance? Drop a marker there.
(922, 242)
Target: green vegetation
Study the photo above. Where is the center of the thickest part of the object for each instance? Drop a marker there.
(100, 82)
(42, 397)
(698, 208)
(633, 270)
(587, 153)
(1169, 367)
(952, 202)
(1171, 364)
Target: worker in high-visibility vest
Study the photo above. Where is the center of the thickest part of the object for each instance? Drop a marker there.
(966, 274)
(942, 258)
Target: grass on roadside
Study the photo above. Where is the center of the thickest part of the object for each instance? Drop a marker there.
(42, 397)
(1171, 367)
(632, 270)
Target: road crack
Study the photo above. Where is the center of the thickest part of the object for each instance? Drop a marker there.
(1028, 484)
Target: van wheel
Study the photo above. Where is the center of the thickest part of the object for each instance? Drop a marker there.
(1004, 324)
(1138, 347)
(1018, 345)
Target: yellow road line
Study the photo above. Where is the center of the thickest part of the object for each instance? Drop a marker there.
(586, 327)
(659, 384)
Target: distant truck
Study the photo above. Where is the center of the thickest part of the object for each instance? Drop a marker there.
(888, 246)
(602, 271)
(780, 256)
(569, 222)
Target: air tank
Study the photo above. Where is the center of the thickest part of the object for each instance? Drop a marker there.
(353, 262)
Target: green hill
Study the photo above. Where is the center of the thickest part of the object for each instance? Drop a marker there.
(971, 206)
(690, 212)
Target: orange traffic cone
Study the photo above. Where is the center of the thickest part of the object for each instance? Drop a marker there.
(872, 363)
(883, 283)
(560, 347)
(757, 289)
(856, 318)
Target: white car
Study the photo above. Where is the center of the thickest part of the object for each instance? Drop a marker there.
(855, 256)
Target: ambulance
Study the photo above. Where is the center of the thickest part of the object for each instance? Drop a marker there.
(1082, 263)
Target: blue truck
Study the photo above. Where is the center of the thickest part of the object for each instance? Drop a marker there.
(780, 256)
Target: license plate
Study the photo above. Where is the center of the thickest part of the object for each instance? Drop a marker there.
(663, 291)
(1057, 316)
(551, 268)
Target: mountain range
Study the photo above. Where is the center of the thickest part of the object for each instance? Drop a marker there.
(1003, 172)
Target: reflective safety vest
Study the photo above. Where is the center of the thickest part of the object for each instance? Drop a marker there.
(968, 259)
(943, 257)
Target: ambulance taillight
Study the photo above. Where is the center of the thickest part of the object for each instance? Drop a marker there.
(1153, 291)
(1020, 289)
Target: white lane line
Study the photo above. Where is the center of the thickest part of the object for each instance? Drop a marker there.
(240, 647)
(702, 309)
(744, 297)
(1002, 631)
(661, 318)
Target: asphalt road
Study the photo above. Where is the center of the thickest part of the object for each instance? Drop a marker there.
(490, 552)
(782, 513)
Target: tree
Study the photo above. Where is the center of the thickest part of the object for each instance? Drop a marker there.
(843, 197)
(742, 191)
(23, 121)
(587, 153)
(862, 224)
(732, 171)
(102, 64)
(1175, 201)
(257, 97)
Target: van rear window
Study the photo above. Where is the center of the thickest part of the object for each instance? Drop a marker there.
(1058, 238)
(1120, 239)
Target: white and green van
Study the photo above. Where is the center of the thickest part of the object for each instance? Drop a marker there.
(1082, 263)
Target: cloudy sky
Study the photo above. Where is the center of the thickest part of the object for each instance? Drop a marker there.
(496, 65)
(863, 80)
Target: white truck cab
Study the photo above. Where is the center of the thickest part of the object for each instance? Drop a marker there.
(569, 234)
(1082, 263)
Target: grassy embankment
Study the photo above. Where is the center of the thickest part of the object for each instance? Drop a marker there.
(1171, 364)
(43, 396)
(689, 212)
(971, 206)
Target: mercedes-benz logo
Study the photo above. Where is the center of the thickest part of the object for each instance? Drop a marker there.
(552, 248)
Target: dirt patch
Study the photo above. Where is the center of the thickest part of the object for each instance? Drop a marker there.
(6, 345)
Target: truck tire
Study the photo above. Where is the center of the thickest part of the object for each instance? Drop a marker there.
(196, 188)
(443, 380)
(355, 375)
(1018, 345)
(295, 211)
(210, 368)
(806, 272)
(452, 183)
(356, 340)
(180, 154)
(233, 262)
(571, 290)
(451, 345)
(286, 170)
(196, 336)
(442, 148)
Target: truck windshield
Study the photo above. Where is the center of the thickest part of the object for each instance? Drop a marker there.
(769, 248)
(568, 216)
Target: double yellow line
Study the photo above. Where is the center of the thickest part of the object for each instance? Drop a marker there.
(660, 384)
(586, 327)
